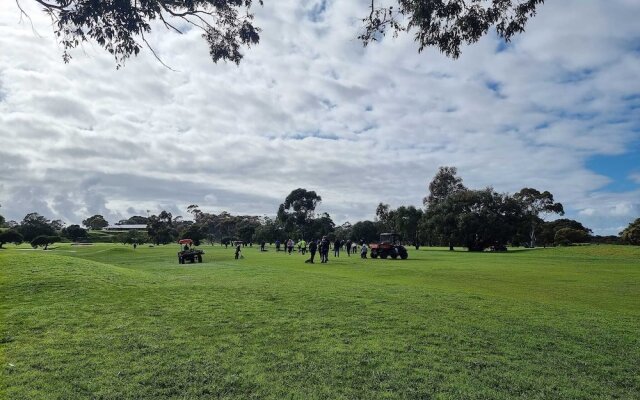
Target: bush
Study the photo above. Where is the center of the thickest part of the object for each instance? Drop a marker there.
(569, 236)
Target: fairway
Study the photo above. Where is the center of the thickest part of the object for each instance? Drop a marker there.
(109, 322)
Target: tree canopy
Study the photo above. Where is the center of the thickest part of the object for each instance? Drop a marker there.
(444, 183)
(298, 210)
(121, 27)
(74, 232)
(537, 203)
(95, 222)
(448, 24)
(10, 236)
(33, 225)
(44, 241)
(631, 234)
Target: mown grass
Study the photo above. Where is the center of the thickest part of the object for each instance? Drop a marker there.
(108, 322)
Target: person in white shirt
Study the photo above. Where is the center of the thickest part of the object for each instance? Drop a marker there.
(363, 251)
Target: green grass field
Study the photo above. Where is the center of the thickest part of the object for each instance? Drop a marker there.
(108, 322)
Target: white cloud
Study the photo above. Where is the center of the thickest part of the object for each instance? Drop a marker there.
(310, 107)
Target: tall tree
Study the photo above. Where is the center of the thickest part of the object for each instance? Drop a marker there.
(160, 228)
(386, 217)
(536, 205)
(194, 210)
(298, 210)
(95, 222)
(407, 223)
(444, 184)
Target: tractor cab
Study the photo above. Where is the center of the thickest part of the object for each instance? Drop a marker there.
(390, 238)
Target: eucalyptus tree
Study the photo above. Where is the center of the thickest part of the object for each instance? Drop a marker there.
(535, 205)
(122, 27)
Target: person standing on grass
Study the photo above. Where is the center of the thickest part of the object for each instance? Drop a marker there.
(303, 246)
(238, 251)
(290, 245)
(324, 250)
(348, 248)
(313, 246)
(336, 248)
(363, 251)
(354, 247)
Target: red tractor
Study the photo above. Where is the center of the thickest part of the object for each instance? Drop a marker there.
(389, 246)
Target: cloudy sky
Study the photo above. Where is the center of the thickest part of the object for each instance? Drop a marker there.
(558, 109)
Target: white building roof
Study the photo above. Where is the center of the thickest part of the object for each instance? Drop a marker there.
(124, 227)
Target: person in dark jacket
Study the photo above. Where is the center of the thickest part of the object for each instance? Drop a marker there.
(313, 246)
(324, 250)
(336, 248)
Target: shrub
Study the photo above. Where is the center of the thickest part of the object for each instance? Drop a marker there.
(569, 236)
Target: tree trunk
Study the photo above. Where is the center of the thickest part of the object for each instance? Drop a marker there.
(532, 236)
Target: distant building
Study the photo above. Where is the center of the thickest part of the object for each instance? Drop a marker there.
(138, 227)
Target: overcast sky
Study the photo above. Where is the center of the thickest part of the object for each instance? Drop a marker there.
(558, 109)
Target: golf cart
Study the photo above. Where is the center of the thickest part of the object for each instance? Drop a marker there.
(188, 253)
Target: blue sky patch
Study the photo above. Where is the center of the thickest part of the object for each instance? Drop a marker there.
(618, 168)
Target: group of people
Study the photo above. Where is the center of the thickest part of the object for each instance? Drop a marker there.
(323, 245)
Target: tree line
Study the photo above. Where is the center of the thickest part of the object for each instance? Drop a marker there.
(451, 215)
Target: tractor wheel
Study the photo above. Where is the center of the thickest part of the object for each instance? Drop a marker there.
(394, 255)
(199, 258)
(374, 254)
(403, 253)
(384, 255)
(180, 260)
